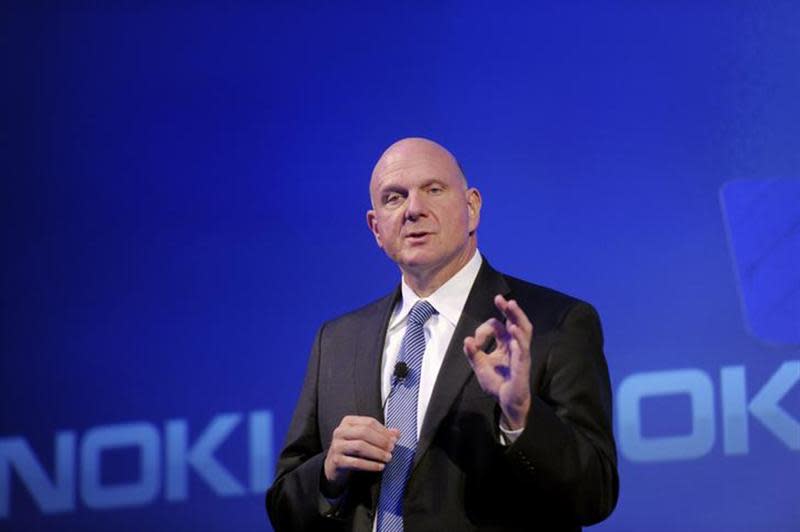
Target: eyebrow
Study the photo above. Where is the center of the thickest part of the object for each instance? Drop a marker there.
(391, 187)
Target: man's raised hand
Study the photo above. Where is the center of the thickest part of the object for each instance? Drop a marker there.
(504, 372)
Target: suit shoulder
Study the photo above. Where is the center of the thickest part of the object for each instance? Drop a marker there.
(546, 306)
(363, 315)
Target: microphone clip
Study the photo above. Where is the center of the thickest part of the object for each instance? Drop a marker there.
(400, 371)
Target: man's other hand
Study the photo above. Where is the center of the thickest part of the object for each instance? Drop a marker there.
(359, 443)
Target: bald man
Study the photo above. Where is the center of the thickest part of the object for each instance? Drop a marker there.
(512, 429)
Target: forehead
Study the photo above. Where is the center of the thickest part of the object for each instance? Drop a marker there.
(407, 167)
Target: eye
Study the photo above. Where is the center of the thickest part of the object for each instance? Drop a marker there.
(435, 189)
(392, 198)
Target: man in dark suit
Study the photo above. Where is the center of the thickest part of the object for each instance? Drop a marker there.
(510, 428)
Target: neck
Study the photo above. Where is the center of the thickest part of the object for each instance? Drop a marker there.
(426, 282)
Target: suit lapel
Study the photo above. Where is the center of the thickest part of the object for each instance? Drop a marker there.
(455, 370)
(367, 371)
(367, 362)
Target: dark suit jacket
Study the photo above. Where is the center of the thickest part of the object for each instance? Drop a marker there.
(559, 474)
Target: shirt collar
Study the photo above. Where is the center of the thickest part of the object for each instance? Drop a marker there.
(448, 299)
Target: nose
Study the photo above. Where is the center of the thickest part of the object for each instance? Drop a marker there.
(415, 205)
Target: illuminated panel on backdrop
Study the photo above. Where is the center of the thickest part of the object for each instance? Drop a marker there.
(763, 221)
(183, 200)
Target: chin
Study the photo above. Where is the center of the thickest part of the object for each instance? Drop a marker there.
(418, 261)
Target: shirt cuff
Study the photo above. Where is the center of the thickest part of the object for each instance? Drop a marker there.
(330, 507)
(508, 436)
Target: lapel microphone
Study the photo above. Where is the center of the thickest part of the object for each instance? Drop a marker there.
(400, 371)
(398, 376)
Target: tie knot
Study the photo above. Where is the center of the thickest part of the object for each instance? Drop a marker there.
(420, 312)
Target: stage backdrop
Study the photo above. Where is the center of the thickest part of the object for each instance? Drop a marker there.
(183, 197)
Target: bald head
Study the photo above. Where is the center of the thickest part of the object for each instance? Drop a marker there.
(423, 215)
(408, 153)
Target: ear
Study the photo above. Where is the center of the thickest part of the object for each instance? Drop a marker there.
(372, 223)
(474, 202)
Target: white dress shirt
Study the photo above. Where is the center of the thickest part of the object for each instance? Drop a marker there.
(448, 300)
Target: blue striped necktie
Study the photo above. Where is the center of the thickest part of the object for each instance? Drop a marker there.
(401, 413)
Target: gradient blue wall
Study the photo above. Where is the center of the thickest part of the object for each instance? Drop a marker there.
(183, 196)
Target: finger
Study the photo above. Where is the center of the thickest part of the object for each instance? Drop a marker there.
(520, 360)
(381, 439)
(499, 331)
(491, 329)
(514, 313)
(501, 303)
(362, 449)
(367, 429)
(365, 423)
(520, 335)
(475, 356)
(483, 366)
(354, 463)
(486, 331)
(520, 318)
(471, 346)
(360, 420)
(363, 420)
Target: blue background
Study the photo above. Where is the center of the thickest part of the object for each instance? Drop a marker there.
(184, 188)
